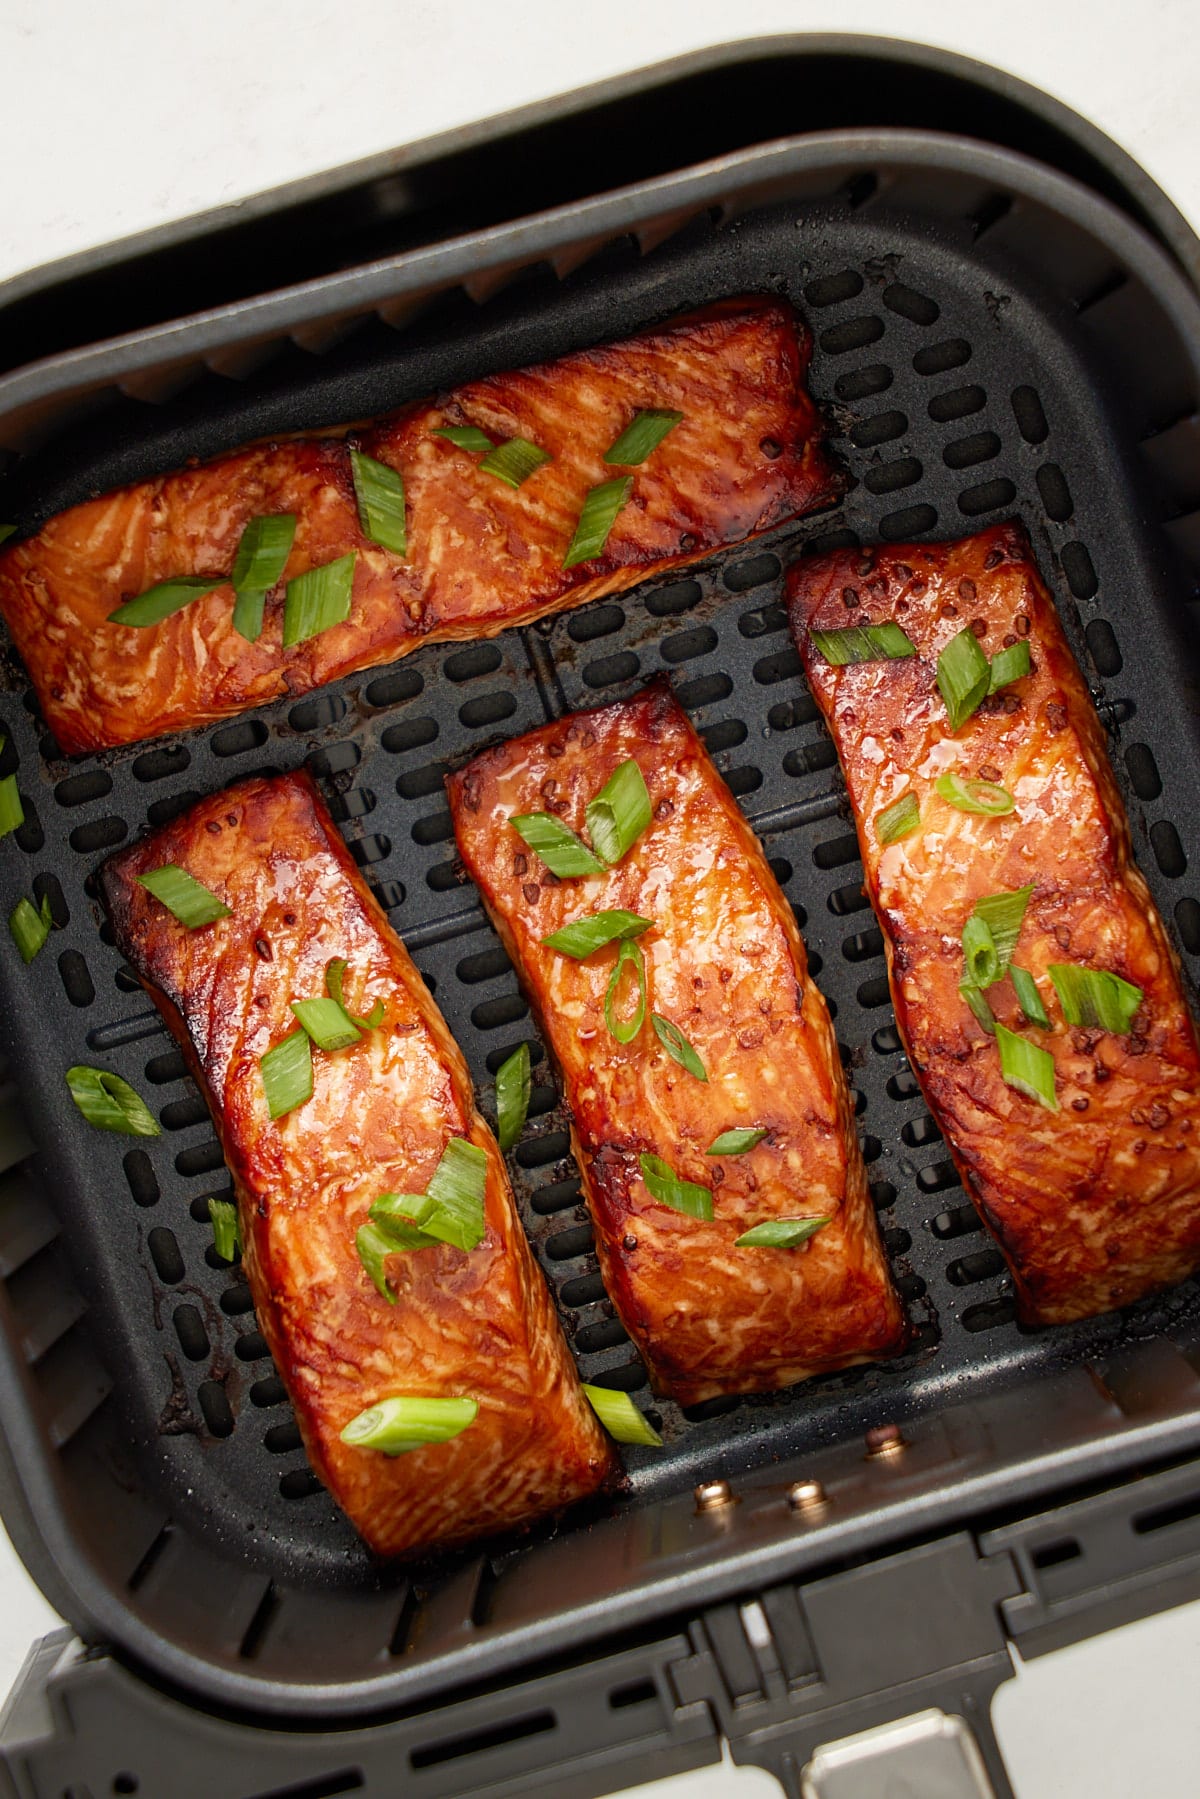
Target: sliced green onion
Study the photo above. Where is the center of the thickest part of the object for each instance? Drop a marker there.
(898, 820)
(514, 461)
(619, 813)
(1095, 996)
(334, 975)
(780, 1233)
(395, 1426)
(287, 1074)
(864, 643)
(963, 674)
(664, 1185)
(626, 1030)
(317, 600)
(226, 1235)
(584, 936)
(1028, 997)
(157, 603)
(643, 434)
(191, 902)
(1026, 1067)
(465, 437)
(110, 1103)
(12, 812)
(979, 953)
(374, 1246)
(327, 1023)
(984, 797)
(734, 1143)
(379, 491)
(978, 1005)
(261, 557)
(30, 927)
(1004, 914)
(620, 1417)
(7, 531)
(563, 853)
(1008, 665)
(677, 1046)
(596, 519)
(514, 1083)
(452, 1207)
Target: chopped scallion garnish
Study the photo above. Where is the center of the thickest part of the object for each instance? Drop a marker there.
(188, 899)
(984, 797)
(625, 1030)
(1004, 914)
(1026, 1067)
(558, 847)
(641, 436)
(620, 1417)
(327, 1023)
(29, 927)
(979, 953)
(261, 557)
(1009, 665)
(317, 600)
(465, 437)
(374, 1246)
(335, 974)
(978, 1005)
(287, 1074)
(864, 643)
(596, 519)
(1095, 996)
(963, 675)
(664, 1185)
(584, 936)
(619, 813)
(677, 1046)
(780, 1233)
(898, 820)
(159, 602)
(1028, 997)
(7, 531)
(12, 812)
(514, 461)
(451, 1210)
(379, 491)
(514, 1083)
(226, 1234)
(396, 1425)
(110, 1103)
(734, 1143)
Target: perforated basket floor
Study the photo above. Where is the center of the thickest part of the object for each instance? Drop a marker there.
(959, 394)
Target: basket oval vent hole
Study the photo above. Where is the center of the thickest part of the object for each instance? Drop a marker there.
(282, 1439)
(389, 690)
(937, 1178)
(437, 828)
(597, 621)
(845, 900)
(880, 428)
(686, 646)
(605, 1334)
(911, 305)
(77, 790)
(1056, 495)
(959, 1221)
(214, 1404)
(956, 403)
(143, 1184)
(681, 596)
(46, 887)
(170, 1066)
(410, 735)
(358, 803)
(419, 783)
(539, 1152)
(268, 1392)
(988, 496)
(487, 965)
(1168, 851)
(1187, 918)
(202, 1158)
(875, 992)
(1143, 771)
(1103, 648)
(939, 359)
(1080, 573)
(891, 477)
(77, 982)
(782, 666)
(789, 714)
(706, 690)
(860, 384)
(609, 670)
(506, 1008)
(863, 947)
(832, 290)
(299, 1483)
(753, 572)
(810, 760)
(631, 1375)
(237, 1300)
(965, 452)
(371, 849)
(99, 834)
(744, 780)
(161, 812)
(988, 1315)
(567, 1246)
(338, 759)
(235, 740)
(762, 621)
(782, 869)
(1031, 419)
(582, 1290)
(982, 1266)
(495, 1057)
(164, 1253)
(252, 1347)
(913, 521)
(488, 709)
(835, 852)
(852, 334)
(903, 1085)
(323, 710)
(182, 1114)
(886, 1040)
(559, 1196)
(189, 1328)
(468, 665)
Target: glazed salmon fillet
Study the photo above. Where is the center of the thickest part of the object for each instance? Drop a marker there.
(475, 1325)
(725, 966)
(480, 555)
(1096, 1202)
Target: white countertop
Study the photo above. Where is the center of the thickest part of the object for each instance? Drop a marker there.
(121, 116)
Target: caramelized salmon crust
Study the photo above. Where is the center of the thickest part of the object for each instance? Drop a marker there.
(481, 556)
(1098, 1202)
(725, 964)
(477, 1324)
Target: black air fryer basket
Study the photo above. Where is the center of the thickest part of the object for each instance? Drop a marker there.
(1006, 323)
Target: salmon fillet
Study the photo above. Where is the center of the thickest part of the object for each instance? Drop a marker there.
(480, 556)
(1098, 1202)
(478, 1324)
(725, 964)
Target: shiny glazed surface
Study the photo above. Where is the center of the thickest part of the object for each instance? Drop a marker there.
(725, 963)
(478, 1324)
(481, 556)
(1099, 1202)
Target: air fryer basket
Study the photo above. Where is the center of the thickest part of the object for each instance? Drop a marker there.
(991, 340)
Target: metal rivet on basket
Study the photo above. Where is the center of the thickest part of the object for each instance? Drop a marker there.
(886, 1439)
(712, 1495)
(806, 1496)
